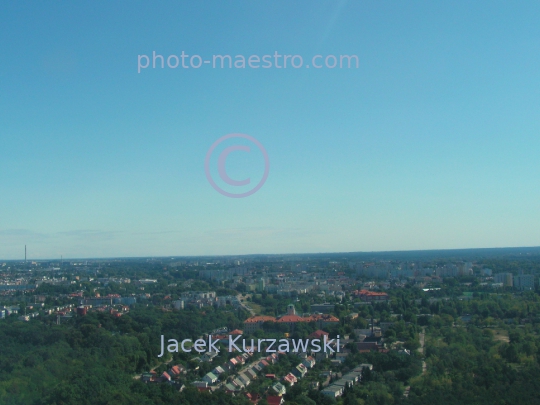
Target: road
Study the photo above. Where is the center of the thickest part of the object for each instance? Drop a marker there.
(251, 311)
(421, 348)
(424, 365)
(138, 376)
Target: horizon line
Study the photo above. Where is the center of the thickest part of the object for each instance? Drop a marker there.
(446, 250)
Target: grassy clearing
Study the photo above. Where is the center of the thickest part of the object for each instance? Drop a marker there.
(255, 307)
(501, 335)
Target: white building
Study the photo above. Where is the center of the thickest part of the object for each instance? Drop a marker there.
(333, 391)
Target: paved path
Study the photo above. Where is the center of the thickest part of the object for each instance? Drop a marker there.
(422, 340)
(421, 348)
(251, 311)
(138, 376)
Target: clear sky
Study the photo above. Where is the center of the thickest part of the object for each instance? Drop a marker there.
(432, 142)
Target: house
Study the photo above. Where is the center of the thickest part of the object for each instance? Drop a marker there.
(309, 362)
(318, 334)
(238, 383)
(300, 370)
(251, 374)
(279, 389)
(165, 376)
(263, 363)
(208, 356)
(175, 371)
(210, 378)
(253, 397)
(352, 378)
(274, 400)
(343, 382)
(245, 379)
(270, 376)
(230, 388)
(290, 378)
(333, 391)
(218, 370)
(200, 384)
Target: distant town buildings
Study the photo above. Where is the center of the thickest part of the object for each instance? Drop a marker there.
(524, 282)
(325, 308)
(290, 319)
(370, 296)
(505, 278)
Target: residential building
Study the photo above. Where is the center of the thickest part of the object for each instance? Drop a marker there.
(333, 391)
(524, 282)
(370, 296)
(505, 278)
(210, 378)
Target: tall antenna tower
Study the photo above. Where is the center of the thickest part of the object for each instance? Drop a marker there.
(25, 253)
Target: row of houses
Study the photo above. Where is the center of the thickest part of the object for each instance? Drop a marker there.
(292, 378)
(246, 377)
(167, 376)
(336, 389)
(243, 379)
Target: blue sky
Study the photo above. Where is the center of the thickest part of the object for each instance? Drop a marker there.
(433, 142)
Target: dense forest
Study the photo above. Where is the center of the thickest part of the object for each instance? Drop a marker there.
(94, 360)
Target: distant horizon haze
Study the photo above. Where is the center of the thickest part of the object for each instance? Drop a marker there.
(434, 253)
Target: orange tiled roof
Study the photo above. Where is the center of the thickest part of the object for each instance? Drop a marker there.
(369, 293)
(291, 318)
(322, 317)
(260, 318)
(318, 334)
